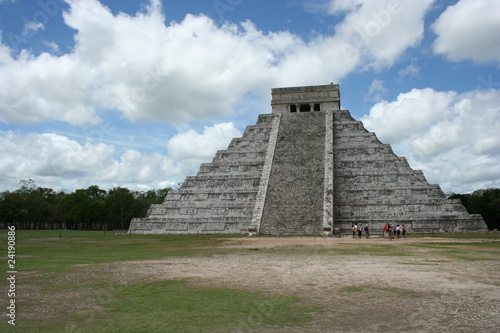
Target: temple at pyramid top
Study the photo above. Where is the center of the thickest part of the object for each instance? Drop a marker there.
(305, 99)
(307, 168)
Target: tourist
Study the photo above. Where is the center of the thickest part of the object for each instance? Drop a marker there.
(385, 230)
(403, 230)
(360, 230)
(367, 231)
(398, 230)
(390, 231)
(354, 228)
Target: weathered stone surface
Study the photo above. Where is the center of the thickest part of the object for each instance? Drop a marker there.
(294, 202)
(307, 168)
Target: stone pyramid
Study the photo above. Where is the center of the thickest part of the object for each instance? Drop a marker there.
(306, 168)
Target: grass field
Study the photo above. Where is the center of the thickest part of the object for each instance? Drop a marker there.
(82, 281)
(62, 287)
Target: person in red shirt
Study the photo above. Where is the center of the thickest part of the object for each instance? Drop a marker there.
(385, 231)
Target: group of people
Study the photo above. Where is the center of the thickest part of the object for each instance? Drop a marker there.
(390, 231)
(358, 229)
(393, 231)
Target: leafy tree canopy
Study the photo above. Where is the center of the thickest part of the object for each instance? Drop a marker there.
(33, 207)
(485, 202)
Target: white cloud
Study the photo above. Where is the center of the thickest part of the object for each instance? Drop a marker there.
(134, 168)
(381, 30)
(469, 30)
(193, 148)
(188, 70)
(33, 90)
(454, 138)
(49, 157)
(4, 52)
(55, 160)
(411, 113)
(474, 121)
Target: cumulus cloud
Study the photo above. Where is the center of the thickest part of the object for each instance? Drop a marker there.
(4, 52)
(136, 167)
(44, 88)
(380, 31)
(49, 157)
(454, 138)
(191, 144)
(412, 112)
(468, 30)
(189, 70)
(194, 148)
(56, 161)
(53, 160)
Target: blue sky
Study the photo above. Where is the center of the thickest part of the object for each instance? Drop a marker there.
(139, 93)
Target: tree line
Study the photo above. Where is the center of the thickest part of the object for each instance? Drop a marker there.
(485, 202)
(33, 207)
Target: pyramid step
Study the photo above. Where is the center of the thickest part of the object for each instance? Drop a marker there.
(394, 193)
(186, 212)
(224, 155)
(221, 181)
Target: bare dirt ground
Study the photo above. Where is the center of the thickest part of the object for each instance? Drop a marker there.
(362, 285)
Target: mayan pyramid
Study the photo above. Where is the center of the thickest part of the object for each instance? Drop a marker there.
(306, 168)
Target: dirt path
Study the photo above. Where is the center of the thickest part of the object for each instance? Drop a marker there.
(364, 285)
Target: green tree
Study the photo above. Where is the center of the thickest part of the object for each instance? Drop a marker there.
(12, 210)
(85, 208)
(30, 207)
(146, 199)
(485, 202)
(120, 207)
(33, 207)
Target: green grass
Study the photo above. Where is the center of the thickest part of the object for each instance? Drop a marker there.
(44, 250)
(351, 289)
(174, 306)
(482, 235)
(373, 291)
(466, 251)
(63, 286)
(487, 244)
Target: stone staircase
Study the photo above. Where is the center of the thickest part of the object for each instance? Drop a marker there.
(294, 202)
